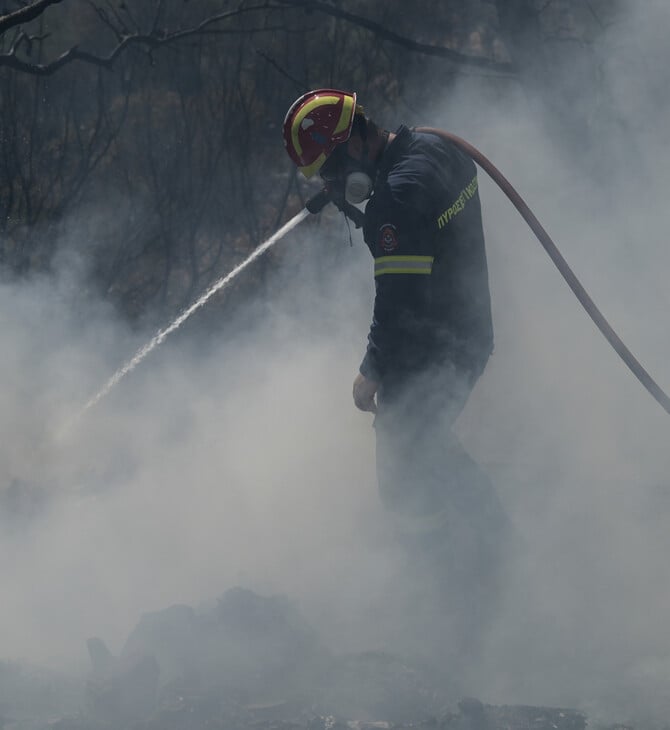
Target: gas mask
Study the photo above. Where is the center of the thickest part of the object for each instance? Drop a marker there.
(348, 178)
(357, 187)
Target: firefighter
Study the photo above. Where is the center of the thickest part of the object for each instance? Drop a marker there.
(431, 334)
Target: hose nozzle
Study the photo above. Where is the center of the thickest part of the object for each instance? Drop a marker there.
(319, 201)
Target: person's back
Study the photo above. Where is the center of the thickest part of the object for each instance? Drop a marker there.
(426, 203)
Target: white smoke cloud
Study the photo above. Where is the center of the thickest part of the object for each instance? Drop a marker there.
(574, 443)
(240, 463)
(245, 462)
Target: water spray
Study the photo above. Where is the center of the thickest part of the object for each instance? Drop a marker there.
(200, 302)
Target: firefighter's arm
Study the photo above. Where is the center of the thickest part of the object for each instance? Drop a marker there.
(403, 256)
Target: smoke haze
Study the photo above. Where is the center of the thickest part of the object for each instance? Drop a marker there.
(242, 461)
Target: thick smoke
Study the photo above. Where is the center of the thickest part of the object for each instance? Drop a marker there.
(244, 466)
(245, 463)
(575, 445)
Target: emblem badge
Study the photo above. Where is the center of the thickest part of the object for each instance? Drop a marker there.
(388, 238)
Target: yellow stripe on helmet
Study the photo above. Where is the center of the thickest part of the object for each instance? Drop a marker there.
(299, 117)
(346, 116)
(309, 170)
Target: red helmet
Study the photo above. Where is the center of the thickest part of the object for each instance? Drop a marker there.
(315, 124)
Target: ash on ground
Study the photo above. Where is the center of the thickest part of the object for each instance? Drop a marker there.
(252, 663)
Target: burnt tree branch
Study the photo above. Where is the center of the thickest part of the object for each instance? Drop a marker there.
(380, 31)
(25, 14)
(154, 39)
(157, 37)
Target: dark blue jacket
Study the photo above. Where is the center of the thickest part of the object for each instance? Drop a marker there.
(423, 227)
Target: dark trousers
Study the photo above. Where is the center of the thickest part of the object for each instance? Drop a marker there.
(443, 506)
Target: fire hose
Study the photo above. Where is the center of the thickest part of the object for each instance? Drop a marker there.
(321, 199)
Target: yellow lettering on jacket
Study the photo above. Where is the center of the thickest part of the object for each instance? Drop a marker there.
(459, 204)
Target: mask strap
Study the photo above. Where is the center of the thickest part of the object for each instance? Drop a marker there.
(351, 240)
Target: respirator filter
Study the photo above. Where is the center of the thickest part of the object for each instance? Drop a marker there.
(357, 187)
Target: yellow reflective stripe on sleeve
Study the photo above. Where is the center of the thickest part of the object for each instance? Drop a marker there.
(403, 265)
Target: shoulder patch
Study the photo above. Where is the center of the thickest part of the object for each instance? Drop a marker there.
(388, 238)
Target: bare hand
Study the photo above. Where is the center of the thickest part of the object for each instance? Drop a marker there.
(364, 393)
